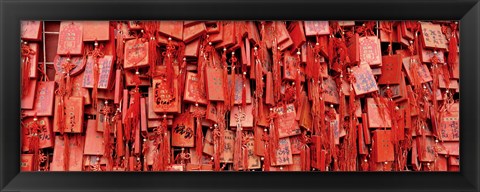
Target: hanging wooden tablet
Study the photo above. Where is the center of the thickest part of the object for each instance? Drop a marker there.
(382, 146)
(194, 89)
(314, 28)
(43, 104)
(31, 30)
(183, 131)
(96, 30)
(364, 80)
(173, 29)
(70, 38)
(370, 51)
(432, 36)
(45, 133)
(287, 125)
(94, 142)
(136, 54)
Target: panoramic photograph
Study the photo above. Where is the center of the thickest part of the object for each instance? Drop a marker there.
(320, 96)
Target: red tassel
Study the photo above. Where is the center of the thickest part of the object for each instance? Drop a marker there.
(308, 159)
(151, 29)
(413, 70)
(298, 85)
(244, 93)
(106, 140)
(446, 75)
(132, 116)
(165, 145)
(266, 159)
(237, 149)
(96, 54)
(169, 64)
(120, 44)
(199, 139)
(145, 151)
(216, 141)
(181, 80)
(221, 126)
(232, 91)
(330, 50)
(66, 152)
(381, 106)
(245, 154)
(163, 154)
(364, 164)
(322, 114)
(259, 90)
(34, 146)
(303, 157)
(452, 46)
(274, 132)
(25, 76)
(61, 115)
(119, 135)
(226, 86)
(341, 110)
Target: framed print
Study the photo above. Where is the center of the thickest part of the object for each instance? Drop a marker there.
(205, 96)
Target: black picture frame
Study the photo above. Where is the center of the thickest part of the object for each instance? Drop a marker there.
(11, 12)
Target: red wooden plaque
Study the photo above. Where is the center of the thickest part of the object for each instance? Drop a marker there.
(382, 146)
(330, 92)
(105, 67)
(74, 109)
(283, 155)
(190, 33)
(370, 50)
(227, 154)
(391, 70)
(364, 80)
(376, 119)
(96, 30)
(26, 162)
(28, 99)
(163, 99)
(31, 30)
(70, 40)
(432, 36)
(136, 53)
(172, 29)
(183, 134)
(194, 92)
(94, 140)
(245, 114)
(78, 62)
(77, 143)
(238, 89)
(43, 105)
(314, 28)
(287, 125)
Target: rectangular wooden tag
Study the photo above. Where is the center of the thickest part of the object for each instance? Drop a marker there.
(183, 134)
(370, 51)
(96, 30)
(287, 125)
(94, 140)
(70, 38)
(314, 28)
(31, 30)
(43, 104)
(136, 54)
